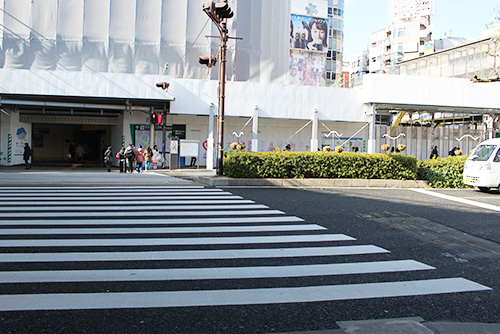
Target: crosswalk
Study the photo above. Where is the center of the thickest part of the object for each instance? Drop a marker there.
(63, 237)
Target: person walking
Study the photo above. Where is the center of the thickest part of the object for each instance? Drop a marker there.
(108, 158)
(434, 153)
(79, 153)
(148, 157)
(120, 155)
(27, 154)
(156, 157)
(130, 157)
(72, 151)
(139, 158)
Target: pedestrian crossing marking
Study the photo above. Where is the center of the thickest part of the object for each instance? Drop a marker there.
(202, 210)
(173, 241)
(104, 197)
(140, 214)
(156, 221)
(210, 273)
(161, 230)
(208, 254)
(115, 300)
(175, 201)
(134, 208)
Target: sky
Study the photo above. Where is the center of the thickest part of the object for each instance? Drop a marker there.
(455, 18)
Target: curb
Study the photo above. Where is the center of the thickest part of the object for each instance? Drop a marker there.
(311, 183)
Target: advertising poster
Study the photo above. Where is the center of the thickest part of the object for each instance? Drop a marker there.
(307, 69)
(308, 33)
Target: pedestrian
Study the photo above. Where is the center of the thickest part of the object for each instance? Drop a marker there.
(130, 157)
(79, 153)
(434, 153)
(156, 157)
(120, 155)
(27, 154)
(452, 152)
(108, 158)
(193, 162)
(86, 151)
(148, 157)
(139, 158)
(72, 150)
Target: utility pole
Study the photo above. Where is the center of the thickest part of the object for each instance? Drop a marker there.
(219, 12)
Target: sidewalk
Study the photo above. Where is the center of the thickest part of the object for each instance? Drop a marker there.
(207, 177)
(414, 325)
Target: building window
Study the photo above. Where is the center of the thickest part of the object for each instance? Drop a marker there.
(328, 75)
(330, 11)
(402, 32)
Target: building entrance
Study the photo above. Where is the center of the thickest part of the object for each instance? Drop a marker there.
(52, 142)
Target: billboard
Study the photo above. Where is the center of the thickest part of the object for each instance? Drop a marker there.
(308, 33)
(307, 69)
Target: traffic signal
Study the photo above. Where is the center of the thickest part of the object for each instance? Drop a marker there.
(222, 10)
(163, 85)
(218, 11)
(154, 118)
(208, 60)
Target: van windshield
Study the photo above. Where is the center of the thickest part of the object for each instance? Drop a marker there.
(482, 152)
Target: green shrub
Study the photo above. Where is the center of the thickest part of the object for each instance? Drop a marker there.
(443, 172)
(319, 165)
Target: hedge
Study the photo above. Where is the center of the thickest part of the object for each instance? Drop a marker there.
(443, 172)
(319, 165)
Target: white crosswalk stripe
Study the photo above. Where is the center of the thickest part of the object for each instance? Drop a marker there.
(228, 238)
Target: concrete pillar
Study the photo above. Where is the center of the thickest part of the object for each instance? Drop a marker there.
(255, 129)
(314, 136)
(210, 139)
(371, 132)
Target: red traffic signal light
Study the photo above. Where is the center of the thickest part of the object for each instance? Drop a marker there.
(163, 85)
(208, 60)
(154, 118)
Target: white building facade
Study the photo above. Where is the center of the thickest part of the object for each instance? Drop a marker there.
(80, 71)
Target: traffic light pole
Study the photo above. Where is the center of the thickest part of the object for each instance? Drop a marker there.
(219, 12)
(222, 92)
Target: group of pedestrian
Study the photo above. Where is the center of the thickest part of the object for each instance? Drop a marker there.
(131, 158)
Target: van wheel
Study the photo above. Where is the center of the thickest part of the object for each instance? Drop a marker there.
(484, 189)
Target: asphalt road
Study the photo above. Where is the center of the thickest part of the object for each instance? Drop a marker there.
(459, 239)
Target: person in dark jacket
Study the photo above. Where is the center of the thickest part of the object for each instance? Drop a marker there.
(434, 153)
(108, 158)
(27, 155)
(130, 157)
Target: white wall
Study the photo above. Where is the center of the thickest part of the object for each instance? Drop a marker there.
(20, 133)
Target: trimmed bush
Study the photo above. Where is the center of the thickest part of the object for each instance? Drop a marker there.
(443, 172)
(319, 165)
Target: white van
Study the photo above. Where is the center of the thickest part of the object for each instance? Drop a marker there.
(482, 168)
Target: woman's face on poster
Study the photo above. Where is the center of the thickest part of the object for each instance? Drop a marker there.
(317, 34)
